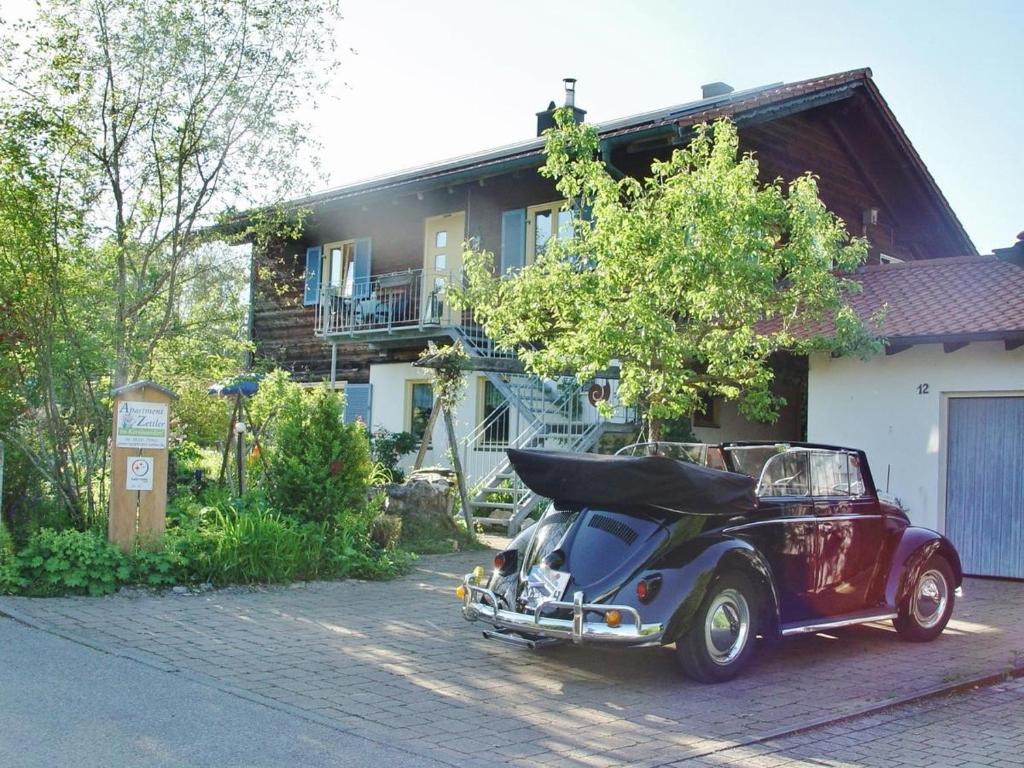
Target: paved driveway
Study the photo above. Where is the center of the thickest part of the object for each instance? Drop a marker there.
(395, 662)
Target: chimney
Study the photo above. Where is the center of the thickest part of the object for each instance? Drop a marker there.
(710, 90)
(546, 119)
(1014, 254)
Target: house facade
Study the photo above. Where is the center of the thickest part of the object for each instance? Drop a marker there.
(941, 413)
(357, 298)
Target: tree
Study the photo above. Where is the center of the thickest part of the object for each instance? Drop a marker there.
(127, 128)
(176, 111)
(688, 280)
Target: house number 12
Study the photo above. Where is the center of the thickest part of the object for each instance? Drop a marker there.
(922, 389)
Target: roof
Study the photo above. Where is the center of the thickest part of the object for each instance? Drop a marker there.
(680, 116)
(137, 385)
(967, 298)
(762, 103)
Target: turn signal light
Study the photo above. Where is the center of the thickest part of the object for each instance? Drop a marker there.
(460, 592)
(612, 618)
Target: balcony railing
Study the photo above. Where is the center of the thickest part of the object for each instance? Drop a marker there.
(413, 298)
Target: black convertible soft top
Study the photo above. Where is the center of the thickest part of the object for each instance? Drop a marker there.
(625, 482)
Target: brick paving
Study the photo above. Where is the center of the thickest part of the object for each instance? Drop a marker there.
(396, 663)
(984, 727)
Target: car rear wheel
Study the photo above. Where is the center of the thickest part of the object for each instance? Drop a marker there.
(719, 644)
(926, 610)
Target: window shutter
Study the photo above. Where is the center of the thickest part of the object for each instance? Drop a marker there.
(312, 292)
(513, 239)
(361, 265)
(357, 402)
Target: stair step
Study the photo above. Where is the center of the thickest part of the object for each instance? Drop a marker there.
(492, 504)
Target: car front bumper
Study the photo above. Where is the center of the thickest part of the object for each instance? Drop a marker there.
(481, 604)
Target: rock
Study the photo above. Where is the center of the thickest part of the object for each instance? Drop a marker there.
(179, 590)
(424, 502)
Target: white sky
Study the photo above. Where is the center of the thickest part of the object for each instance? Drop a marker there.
(433, 80)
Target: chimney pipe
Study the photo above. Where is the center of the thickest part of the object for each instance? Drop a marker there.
(570, 91)
(546, 119)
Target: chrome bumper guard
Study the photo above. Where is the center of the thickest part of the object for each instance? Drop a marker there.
(577, 629)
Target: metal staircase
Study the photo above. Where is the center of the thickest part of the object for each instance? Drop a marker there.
(537, 413)
(546, 414)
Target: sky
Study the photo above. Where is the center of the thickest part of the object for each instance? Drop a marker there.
(431, 80)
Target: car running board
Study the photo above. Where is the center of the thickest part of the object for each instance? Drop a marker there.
(519, 641)
(820, 625)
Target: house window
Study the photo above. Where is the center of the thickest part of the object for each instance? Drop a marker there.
(544, 222)
(420, 397)
(493, 413)
(707, 415)
(338, 267)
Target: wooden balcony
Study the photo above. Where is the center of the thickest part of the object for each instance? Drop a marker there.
(410, 300)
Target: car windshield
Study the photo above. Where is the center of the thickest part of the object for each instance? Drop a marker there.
(694, 453)
(749, 460)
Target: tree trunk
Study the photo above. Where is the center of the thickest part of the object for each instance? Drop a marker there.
(653, 429)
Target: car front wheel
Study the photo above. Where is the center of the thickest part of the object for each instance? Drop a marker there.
(926, 610)
(719, 644)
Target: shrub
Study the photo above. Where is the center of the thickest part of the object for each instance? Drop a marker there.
(157, 568)
(71, 562)
(385, 531)
(318, 465)
(388, 447)
(9, 579)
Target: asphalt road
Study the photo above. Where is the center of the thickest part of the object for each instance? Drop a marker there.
(64, 704)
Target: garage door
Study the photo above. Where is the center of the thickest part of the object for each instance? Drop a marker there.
(985, 484)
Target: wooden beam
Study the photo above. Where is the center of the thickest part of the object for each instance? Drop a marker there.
(953, 346)
(895, 349)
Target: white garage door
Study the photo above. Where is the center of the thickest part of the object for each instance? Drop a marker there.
(985, 484)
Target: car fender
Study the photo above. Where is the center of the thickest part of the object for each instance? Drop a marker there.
(689, 571)
(915, 548)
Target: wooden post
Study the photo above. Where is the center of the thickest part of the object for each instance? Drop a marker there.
(138, 470)
(427, 432)
(459, 477)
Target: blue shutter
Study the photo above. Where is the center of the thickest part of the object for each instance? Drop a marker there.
(361, 266)
(513, 240)
(357, 402)
(312, 292)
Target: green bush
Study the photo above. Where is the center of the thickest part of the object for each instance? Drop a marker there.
(385, 531)
(388, 447)
(249, 542)
(71, 562)
(9, 580)
(318, 465)
(158, 568)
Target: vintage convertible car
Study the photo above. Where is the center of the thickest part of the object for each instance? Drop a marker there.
(708, 547)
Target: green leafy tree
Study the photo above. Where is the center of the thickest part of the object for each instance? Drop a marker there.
(174, 112)
(688, 280)
(127, 128)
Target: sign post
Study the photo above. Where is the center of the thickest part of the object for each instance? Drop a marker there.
(138, 470)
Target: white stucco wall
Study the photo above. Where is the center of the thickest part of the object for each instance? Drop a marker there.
(876, 406)
(734, 426)
(390, 404)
